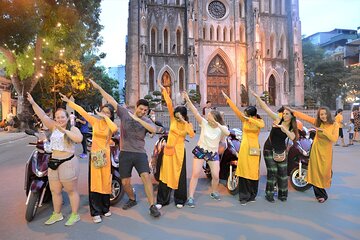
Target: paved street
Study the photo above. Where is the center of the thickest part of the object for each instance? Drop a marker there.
(301, 217)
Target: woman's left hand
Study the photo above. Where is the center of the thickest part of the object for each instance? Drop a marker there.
(100, 114)
(64, 98)
(282, 127)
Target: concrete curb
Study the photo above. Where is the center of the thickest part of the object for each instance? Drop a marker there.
(6, 137)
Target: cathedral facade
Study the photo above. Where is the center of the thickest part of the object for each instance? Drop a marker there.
(213, 46)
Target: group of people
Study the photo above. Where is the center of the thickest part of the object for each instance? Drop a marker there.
(133, 129)
(353, 126)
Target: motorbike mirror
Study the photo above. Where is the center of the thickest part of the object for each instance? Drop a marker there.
(30, 132)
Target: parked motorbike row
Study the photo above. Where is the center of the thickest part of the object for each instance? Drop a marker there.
(37, 185)
(36, 178)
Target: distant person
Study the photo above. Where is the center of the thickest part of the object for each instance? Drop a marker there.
(356, 117)
(72, 119)
(83, 125)
(351, 127)
(339, 119)
(206, 109)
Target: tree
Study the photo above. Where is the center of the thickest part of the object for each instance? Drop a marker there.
(351, 84)
(35, 34)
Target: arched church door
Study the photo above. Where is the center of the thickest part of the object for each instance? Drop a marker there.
(166, 82)
(217, 81)
(272, 90)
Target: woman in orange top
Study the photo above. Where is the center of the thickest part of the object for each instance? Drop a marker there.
(173, 167)
(248, 167)
(320, 164)
(99, 178)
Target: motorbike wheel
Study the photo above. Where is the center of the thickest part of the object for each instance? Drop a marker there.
(299, 184)
(32, 206)
(232, 184)
(117, 191)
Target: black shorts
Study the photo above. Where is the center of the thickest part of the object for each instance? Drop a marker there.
(351, 136)
(128, 160)
(341, 134)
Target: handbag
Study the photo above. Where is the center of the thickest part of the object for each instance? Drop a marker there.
(254, 151)
(279, 157)
(98, 158)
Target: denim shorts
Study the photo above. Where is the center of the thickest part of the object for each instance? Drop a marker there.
(128, 160)
(66, 172)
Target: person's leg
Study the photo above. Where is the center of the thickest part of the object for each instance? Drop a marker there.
(320, 194)
(95, 201)
(125, 168)
(215, 168)
(197, 167)
(71, 189)
(244, 190)
(254, 186)
(56, 189)
(180, 194)
(271, 175)
(282, 180)
(163, 194)
(145, 177)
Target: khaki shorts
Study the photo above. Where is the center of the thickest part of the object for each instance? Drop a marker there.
(66, 172)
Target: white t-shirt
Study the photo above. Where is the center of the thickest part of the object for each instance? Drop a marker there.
(72, 119)
(209, 137)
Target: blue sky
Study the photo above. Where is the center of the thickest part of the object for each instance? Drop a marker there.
(315, 16)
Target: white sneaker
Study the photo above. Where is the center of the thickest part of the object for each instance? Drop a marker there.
(179, 206)
(108, 214)
(97, 219)
(158, 206)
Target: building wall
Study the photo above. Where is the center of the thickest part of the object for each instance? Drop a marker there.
(252, 40)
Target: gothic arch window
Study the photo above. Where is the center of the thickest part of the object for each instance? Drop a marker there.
(272, 49)
(277, 6)
(261, 6)
(282, 50)
(286, 82)
(217, 80)
(231, 35)
(241, 9)
(283, 7)
(181, 80)
(166, 41)
(218, 34)
(166, 82)
(151, 80)
(272, 90)
(272, 6)
(225, 38)
(211, 33)
(165, 2)
(178, 41)
(177, 2)
(204, 33)
(242, 34)
(153, 40)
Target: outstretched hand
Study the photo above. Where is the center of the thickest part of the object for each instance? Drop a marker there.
(95, 85)
(253, 93)
(30, 98)
(224, 94)
(64, 98)
(185, 96)
(160, 85)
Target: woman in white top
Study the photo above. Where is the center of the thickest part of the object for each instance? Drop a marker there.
(63, 169)
(212, 132)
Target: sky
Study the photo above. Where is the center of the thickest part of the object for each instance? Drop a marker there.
(315, 16)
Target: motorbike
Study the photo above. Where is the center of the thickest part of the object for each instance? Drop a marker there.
(298, 159)
(117, 190)
(36, 185)
(228, 153)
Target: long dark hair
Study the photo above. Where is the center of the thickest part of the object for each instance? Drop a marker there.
(293, 122)
(183, 111)
(329, 118)
(252, 111)
(111, 109)
(217, 117)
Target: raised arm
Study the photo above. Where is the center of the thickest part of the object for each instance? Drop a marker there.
(105, 95)
(233, 107)
(303, 116)
(150, 127)
(48, 122)
(109, 123)
(167, 100)
(264, 106)
(257, 122)
(192, 108)
(79, 109)
(225, 131)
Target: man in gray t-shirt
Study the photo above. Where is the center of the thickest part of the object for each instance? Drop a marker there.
(133, 128)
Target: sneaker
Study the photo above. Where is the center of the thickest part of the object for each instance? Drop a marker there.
(243, 203)
(252, 200)
(129, 204)
(215, 196)
(269, 199)
(190, 202)
(179, 205)
(158, 206)
(108, 214)
(154, 211)
(74, 217)
(83, 155)
(55, 217)
(96, 219)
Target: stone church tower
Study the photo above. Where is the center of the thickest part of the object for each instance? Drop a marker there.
(214, 45)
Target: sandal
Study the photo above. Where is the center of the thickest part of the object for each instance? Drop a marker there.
(321, 200)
